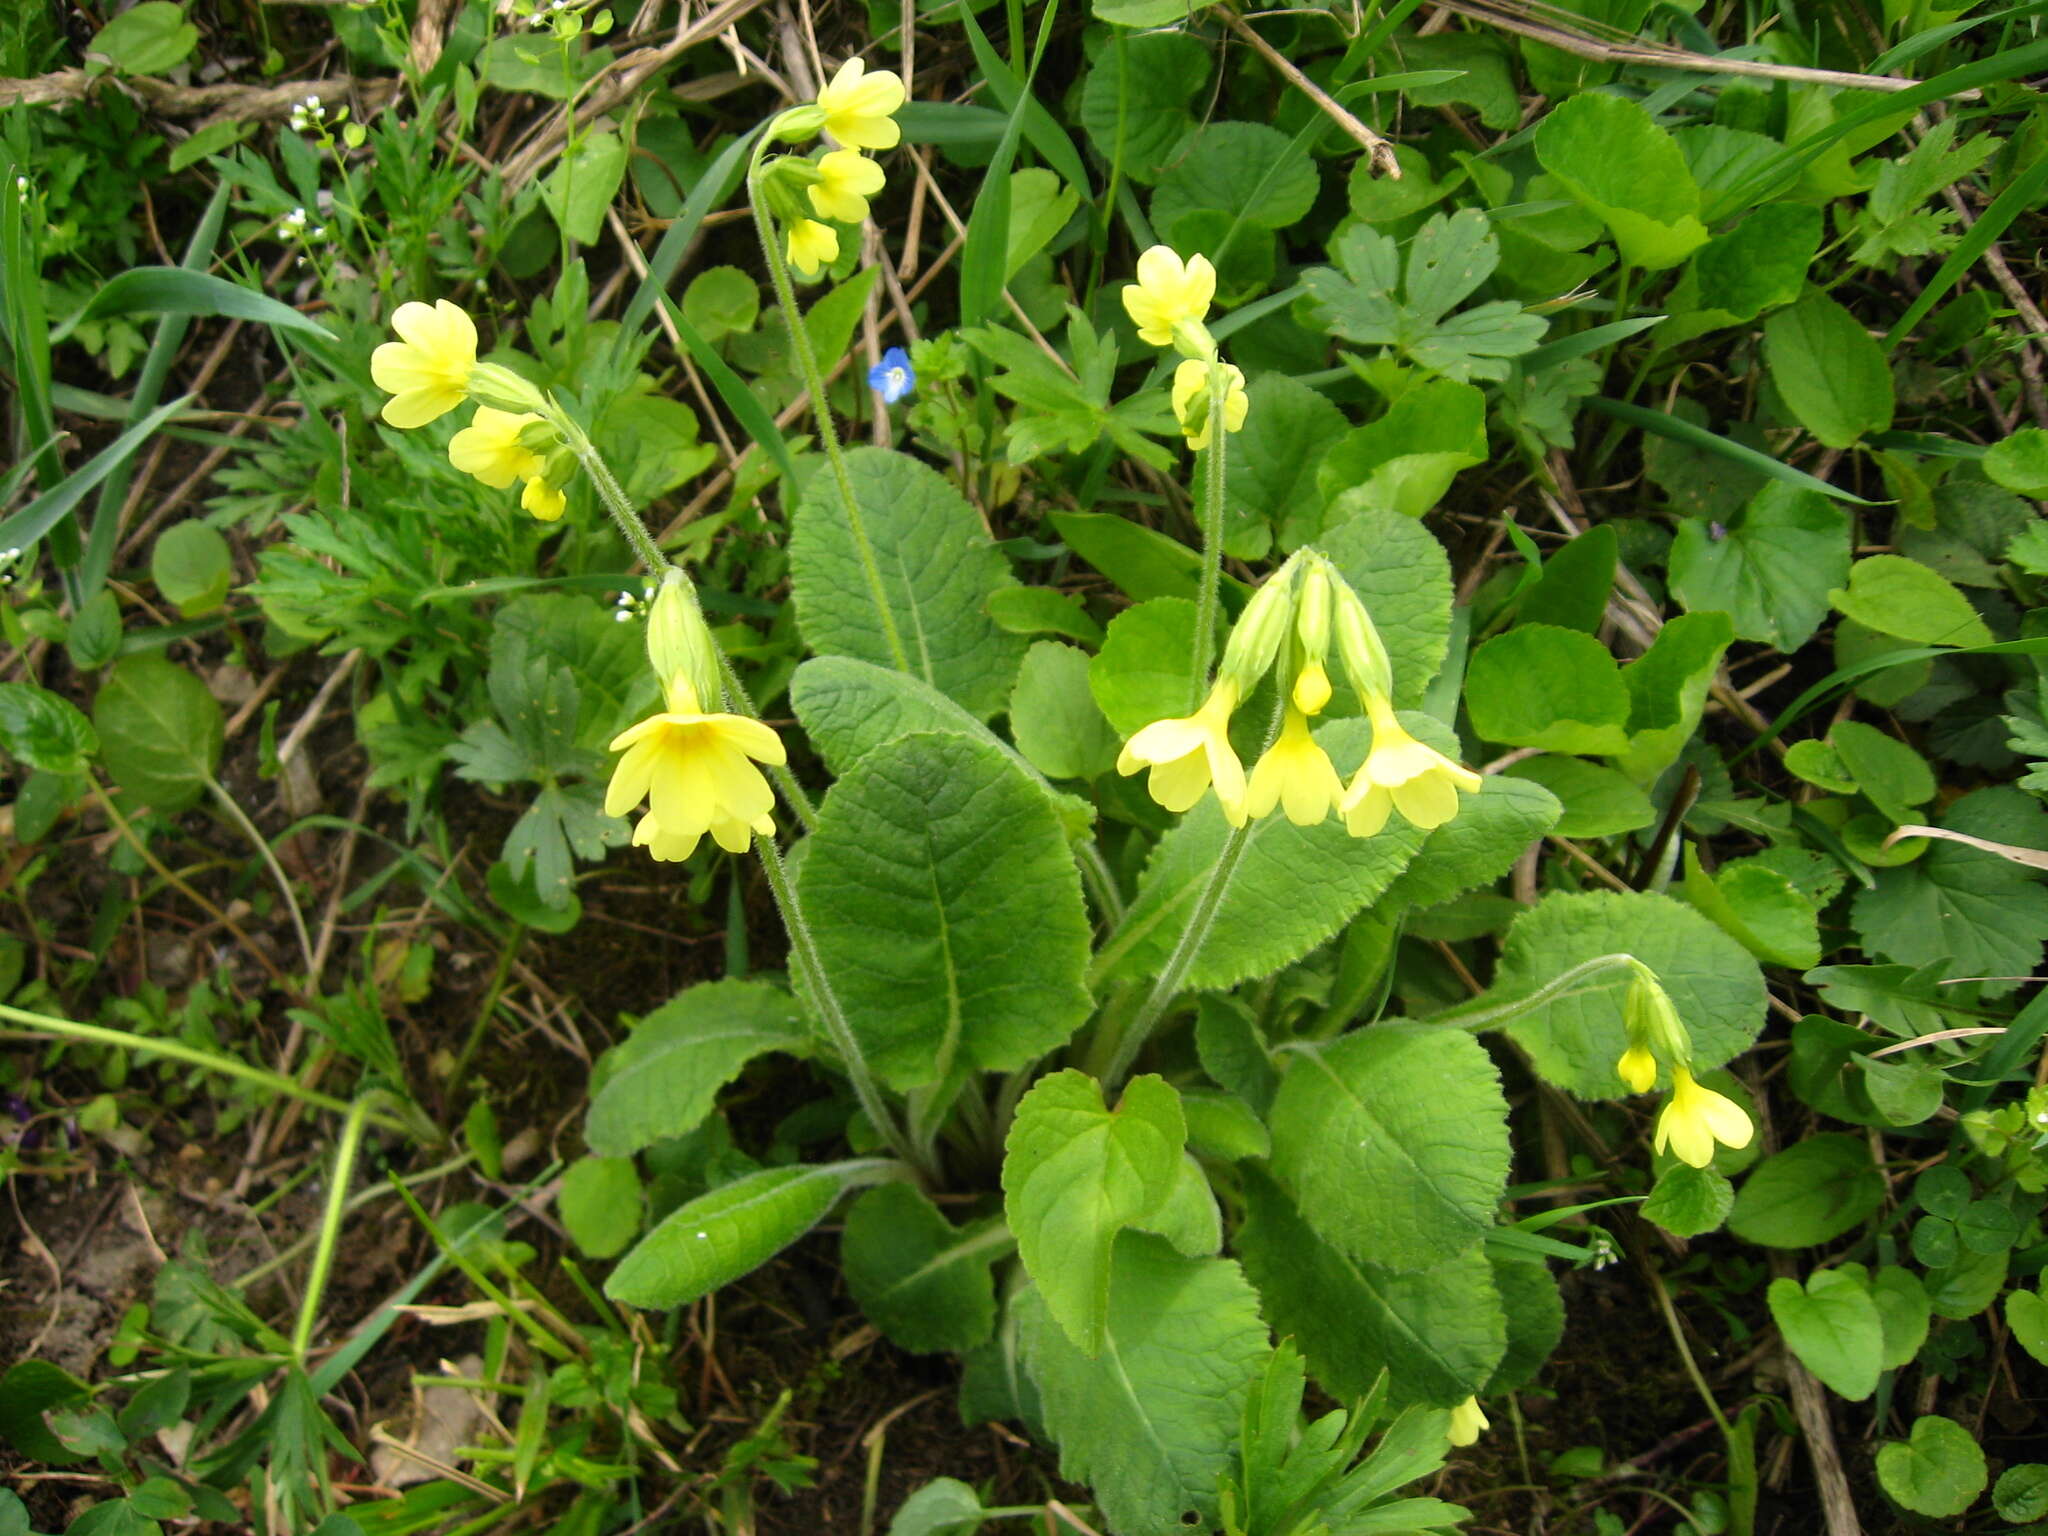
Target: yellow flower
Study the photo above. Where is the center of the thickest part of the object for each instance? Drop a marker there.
(489, 448)
(858, 106)
(1637, 1068)
(1190, 753)
(696, 771)
(1191, 380)
(846, 180)
(812, 246)
(1698, 1117)
(427, 373)
(544, 501)
(1402, 774)
(1311, 688)
(1467, 1423)
(1167, 294)
(1296, 773)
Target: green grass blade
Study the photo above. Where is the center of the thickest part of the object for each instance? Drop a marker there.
(2023, 194)
(1699, 437)
(718, 182)
(48, 513)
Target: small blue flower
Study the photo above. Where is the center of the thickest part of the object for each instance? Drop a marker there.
(893, 376)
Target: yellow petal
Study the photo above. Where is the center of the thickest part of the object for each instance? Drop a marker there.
(1366, 808)
(417, 407)
(544, 501)
(1179, 782)
(1429, 800)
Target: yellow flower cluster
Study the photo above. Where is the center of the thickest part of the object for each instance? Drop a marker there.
(694, 767)
(1696, 1118)
(1300, 610)
(857, 110)
(432, 368)
(1169, 303)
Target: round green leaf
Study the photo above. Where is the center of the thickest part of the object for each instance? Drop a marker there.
(600, 1204)
(1812, 1192)
(1611, 155)
(2022, 1493)
(160, 731)
(1938, 1472)
(1248, 170)
(192, 567)
(1832, 1324)
(1575, 1040)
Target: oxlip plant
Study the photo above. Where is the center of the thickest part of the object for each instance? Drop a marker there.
(1098, 1150)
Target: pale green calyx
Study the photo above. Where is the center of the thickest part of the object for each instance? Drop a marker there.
(501, 389)
(1260, 629)
(1359, 643)
(678, 642)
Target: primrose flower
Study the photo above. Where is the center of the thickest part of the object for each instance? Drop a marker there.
(1402, 774)
(1467, 1423)
(1637, 1068)
(846, 180)
(812, 246)
(893, 377)
(1188, 754)
(427, 372)
(1296, 773)
(1168, 294)
(859, 107)
(489, 448)
(543, 500)
(1191, 383)
(1698, 1117)
(696, 771)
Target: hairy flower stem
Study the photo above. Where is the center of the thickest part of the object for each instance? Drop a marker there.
(634, 530)
(1206, 595)
(821, 408)
(1139, 1029)
(1476, 1020)
(803, 951)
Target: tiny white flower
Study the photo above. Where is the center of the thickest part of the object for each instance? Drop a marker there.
(21, 184)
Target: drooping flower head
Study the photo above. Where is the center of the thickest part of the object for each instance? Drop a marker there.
(846, 180)
(1169, 294)
(490, 448)
(1189, 754)
(1697, 1118)
(860, 107)
(1311, 690)
(1402, 774)
(1467, 1423)
(893, 377)
(1655, 1032)
(812, 246)
(1294, 773)
(544, 500)
(427, 371)
(697, 773)
(1191, 387)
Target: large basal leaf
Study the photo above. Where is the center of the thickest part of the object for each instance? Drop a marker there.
(850, 707)
(718, 1237)
(947, 910)
(1293, 888)
(1135, 99)
(1440, 1332)
(1615, 160)
(1075, 1174)
(937, 568)
(1393, 1141)
(160, 731)
(662, 1080)
(1478, 845)
(922, 1281)
(1575, 1039)
(1150, 1423)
